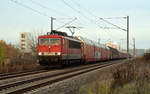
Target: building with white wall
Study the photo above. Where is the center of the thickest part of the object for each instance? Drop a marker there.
(25, 42)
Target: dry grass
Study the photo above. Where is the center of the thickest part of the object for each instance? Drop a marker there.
(135, 73)
(12, 59)
(18, 65)
(133, 77)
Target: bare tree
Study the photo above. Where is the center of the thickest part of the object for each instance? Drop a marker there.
(33, 41)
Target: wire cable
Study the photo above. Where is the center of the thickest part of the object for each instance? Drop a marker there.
(76, 3)
(25, 6)
(112, 24)
(45, 7)
(67, 23)
(115, 18)
(93, 22)
(100, 18)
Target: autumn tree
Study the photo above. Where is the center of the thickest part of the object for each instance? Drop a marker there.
(2, 52)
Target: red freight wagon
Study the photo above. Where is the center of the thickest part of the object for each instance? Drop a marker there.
(88, 49)
(97, 52)
(104, 54)
(92, 51)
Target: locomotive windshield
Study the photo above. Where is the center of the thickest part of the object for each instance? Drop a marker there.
(49, 41)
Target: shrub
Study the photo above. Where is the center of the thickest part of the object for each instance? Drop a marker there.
(2, 54)
(136, 72)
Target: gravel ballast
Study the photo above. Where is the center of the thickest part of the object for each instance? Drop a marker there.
(71, 84)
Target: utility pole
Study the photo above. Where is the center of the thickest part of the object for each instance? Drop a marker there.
(99, 40)
(127, 36)
(127, 30)
(134, 50)
(52, 23)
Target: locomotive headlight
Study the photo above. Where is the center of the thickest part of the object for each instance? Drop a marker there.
(40, 53)
(58, 53)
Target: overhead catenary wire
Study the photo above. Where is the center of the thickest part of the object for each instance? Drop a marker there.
(34, 10)
(43, 14)
(84, 16)
(112, 24)
(79, 12)
(101, 18)
(67, 23)
(76, 3)
(90, 13)
(115, 18)
(71, 7)
(45, 7)
(60, 13)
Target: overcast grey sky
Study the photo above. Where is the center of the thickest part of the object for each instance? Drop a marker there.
(23, 17)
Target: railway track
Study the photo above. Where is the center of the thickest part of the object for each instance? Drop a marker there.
(22, 86)
(18, 74)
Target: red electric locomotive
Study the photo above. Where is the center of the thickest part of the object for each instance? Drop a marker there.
(57, 48)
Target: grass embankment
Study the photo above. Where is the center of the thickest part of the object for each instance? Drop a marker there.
(132, 77)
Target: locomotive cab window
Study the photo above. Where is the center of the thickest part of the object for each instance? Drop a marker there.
(49, 41)
(74, 44)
